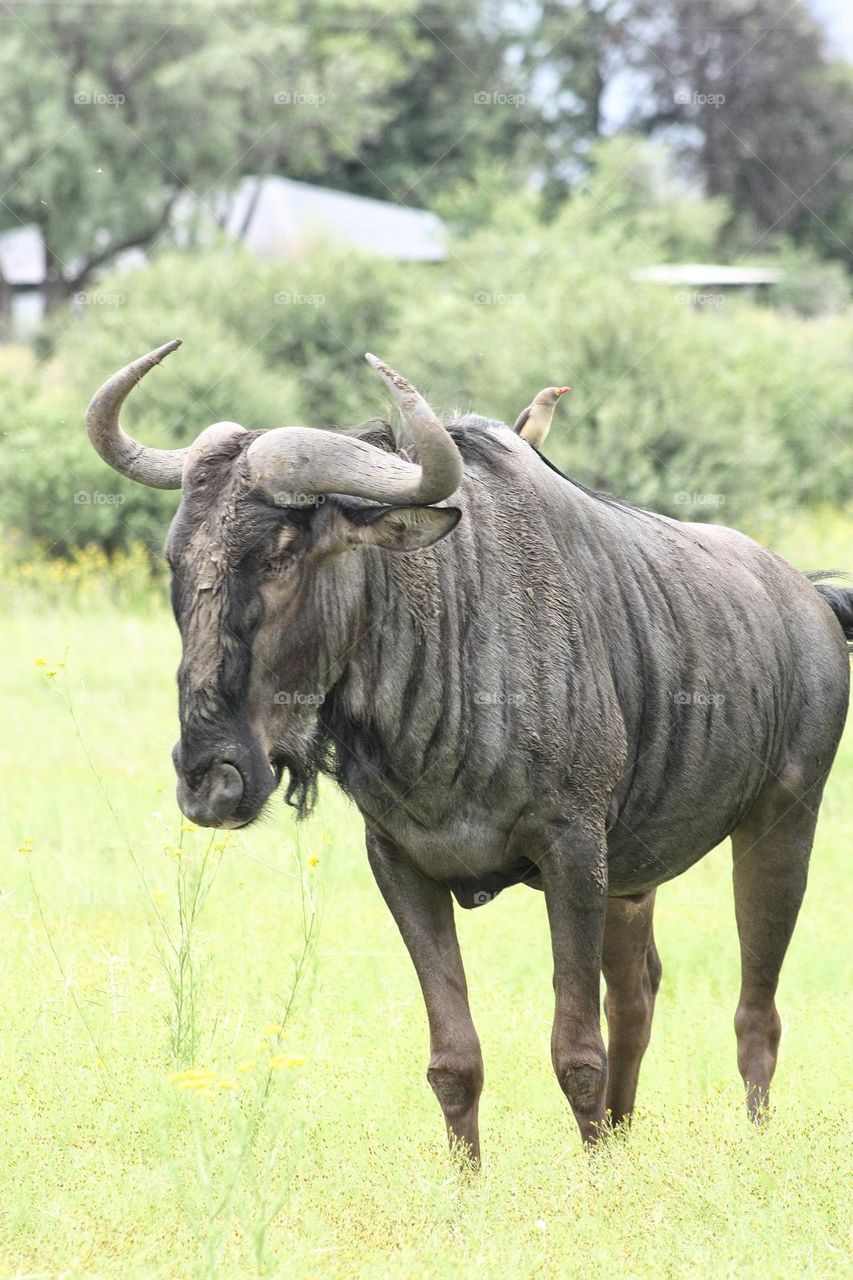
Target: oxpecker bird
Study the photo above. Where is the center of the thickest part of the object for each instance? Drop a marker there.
(534, 422)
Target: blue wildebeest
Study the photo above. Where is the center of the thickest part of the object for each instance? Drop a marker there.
(568, 692)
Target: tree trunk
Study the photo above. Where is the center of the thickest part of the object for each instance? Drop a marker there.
(55, 288)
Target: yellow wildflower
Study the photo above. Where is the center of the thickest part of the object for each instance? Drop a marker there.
(272, 1029)
(313, 861)
(286, 1060)
(246, 1065)
(40, 662)
(192, 1075)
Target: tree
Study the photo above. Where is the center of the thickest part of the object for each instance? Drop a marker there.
(748, 88)
(464, 102)
(115, 111)
(573, 50)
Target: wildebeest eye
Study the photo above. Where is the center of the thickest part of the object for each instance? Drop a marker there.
(271, 568)
(273, 558)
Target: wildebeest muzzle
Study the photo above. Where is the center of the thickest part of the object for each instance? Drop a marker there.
(224, 789)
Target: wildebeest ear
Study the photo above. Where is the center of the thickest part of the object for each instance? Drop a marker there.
(398, 528)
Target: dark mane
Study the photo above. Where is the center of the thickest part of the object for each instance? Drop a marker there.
(608, 499)
(479, 438)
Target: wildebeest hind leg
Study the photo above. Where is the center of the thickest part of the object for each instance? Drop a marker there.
(770, 851)
(423, 911)
(632, 971)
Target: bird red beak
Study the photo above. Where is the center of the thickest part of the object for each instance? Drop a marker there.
(561, 391)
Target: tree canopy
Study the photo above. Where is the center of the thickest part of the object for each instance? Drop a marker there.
(115, 110)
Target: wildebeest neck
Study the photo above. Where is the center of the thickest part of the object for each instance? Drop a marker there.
(463, 685)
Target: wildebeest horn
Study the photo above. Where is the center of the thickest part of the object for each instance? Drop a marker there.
(159, 468)
(289, 463)
(441, 462)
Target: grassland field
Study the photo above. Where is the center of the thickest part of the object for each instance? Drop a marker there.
(157, 1124)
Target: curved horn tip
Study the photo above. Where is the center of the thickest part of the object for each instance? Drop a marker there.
(160, 353)
(395, 382)
(380, 366)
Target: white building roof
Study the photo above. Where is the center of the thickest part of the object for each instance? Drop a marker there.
(276, 217)
(699, 274)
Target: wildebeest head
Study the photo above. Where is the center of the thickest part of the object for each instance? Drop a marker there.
(260, 569)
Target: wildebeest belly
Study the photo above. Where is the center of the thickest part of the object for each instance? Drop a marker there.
(479, 850)
(639, 861)
(476, 853)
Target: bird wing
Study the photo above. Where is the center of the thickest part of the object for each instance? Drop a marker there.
(522, 419)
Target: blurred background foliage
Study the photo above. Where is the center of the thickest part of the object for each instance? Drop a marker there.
(608, 159)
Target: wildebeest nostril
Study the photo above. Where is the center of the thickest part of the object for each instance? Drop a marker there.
(211, 801)
(225, 789)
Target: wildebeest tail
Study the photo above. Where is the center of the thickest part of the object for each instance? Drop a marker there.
(839, 599)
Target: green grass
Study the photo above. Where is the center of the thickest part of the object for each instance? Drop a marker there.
(337, 1167)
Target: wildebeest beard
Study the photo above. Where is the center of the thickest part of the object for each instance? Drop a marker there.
(328, 753)
(331, 740)
(304, 762)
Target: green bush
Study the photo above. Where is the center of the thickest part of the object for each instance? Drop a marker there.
(811, 286)
(266, 345)
(54, 487)
(733, 411)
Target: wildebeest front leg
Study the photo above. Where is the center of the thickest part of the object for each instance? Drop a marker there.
(574, 878)
(423, 911)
